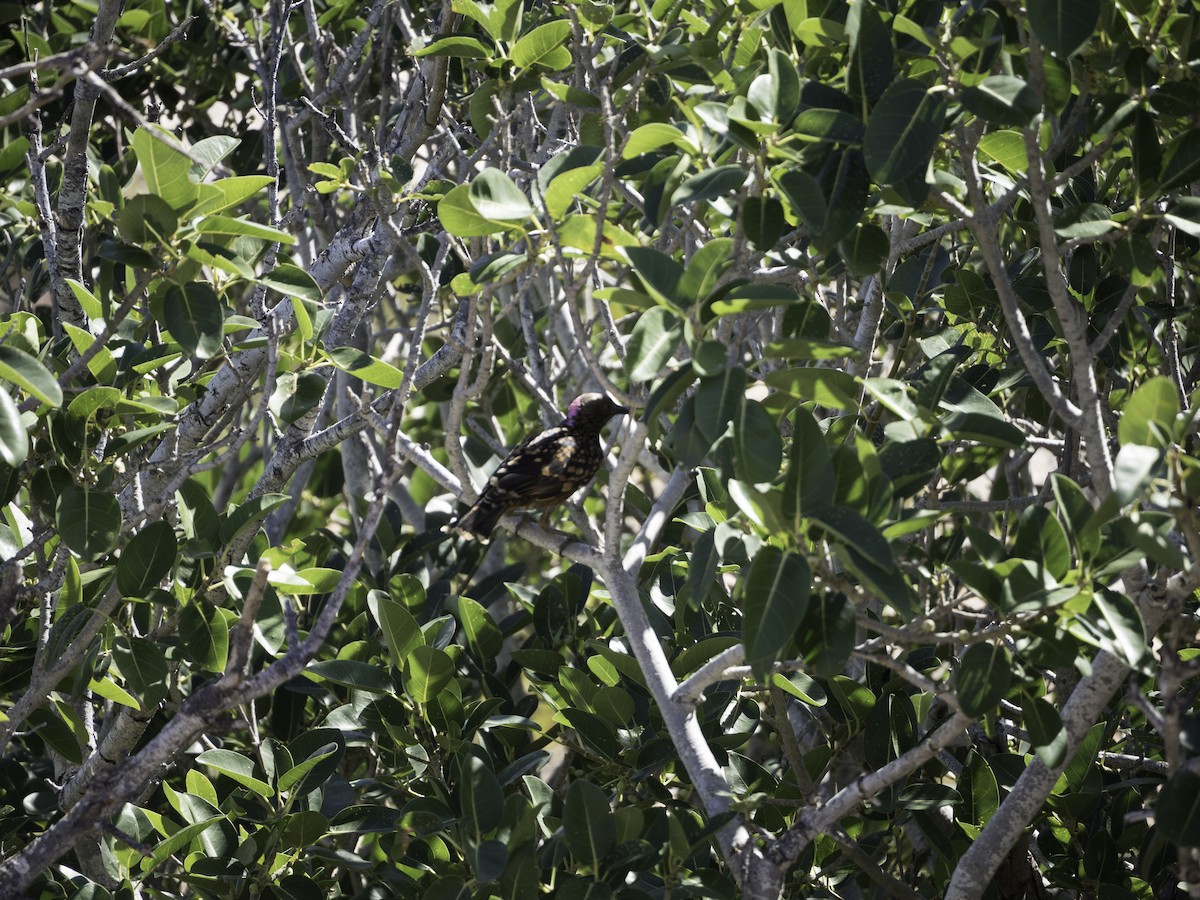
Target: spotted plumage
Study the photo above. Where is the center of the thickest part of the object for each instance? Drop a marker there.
(545, 468)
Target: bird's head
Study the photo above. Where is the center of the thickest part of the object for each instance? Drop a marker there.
(591, 411)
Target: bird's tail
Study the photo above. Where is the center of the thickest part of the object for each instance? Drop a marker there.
(479, 520)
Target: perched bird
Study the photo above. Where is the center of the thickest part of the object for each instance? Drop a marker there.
(544, 469)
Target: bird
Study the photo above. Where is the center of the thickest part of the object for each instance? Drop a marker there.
(545, 468)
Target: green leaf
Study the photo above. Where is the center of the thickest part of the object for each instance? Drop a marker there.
(826, 635)
(659, 273)
(828, 387)
(1181, 161)
(1132, 471)
(178, 841)
(804, 195)
(809, 484)
(655, 337)
(400, 630)
(496, 196)
(588, 824)
(845, 526)
(147, 558)
(764, 222)
(710, 184)
(774, 600)
(870, 63)
(745, 297)
(1177, 810)
(903, 131)
(205, 635)
(352, 673)
(14, 442)
(480, 796)
(1064, 26)
(166, 170)
(1184, 214)
(426, 672)
(483, 637)
(1003, 100)
(650, 137)
(833, 126)
(544, 46)
(237, 767)
(89, 521)
(460, 218)
(102, 365)
(195, 318)
(757, 445)
(1042, 539)
(865, 250)
(718, 402)
(250, 515)
(597, 733)
(702, 566)
(564, 189)
(366, 367)
(296, 394)
(27, 373)
(292, 281)
(984, 674)
(1114, 623)
(1006, 148)
(802, 687)
(459, 46)
(1047, 735)
(228, 192)
(1149, 415)
(146, 218)
(238, 228)
(143, 667)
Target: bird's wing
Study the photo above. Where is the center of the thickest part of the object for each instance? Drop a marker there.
(533, 469)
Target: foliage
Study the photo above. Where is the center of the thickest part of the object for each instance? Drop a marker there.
(889, 588)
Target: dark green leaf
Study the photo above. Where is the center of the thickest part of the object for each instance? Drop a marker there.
(194, 315)
(659, 273)
(719, 401)
(1064, 26)
(809, 484)
(1177, 812)
(143, 667)
(89, 521)
(984, 674)
(870, 65)
(710, 184)
(147, 558)
(1003, 100)
(205, 635)
(480, 796)
(588, 823)
(903, 131)
(1046, 732)
(826, 634)
(774, 599)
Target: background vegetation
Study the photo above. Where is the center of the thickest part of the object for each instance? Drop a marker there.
(888, 588)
